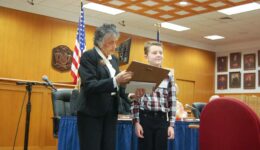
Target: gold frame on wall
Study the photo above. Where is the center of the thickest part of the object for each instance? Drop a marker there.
(222, 64)
(234, 80)
(249, 81)
(249, 61)
(235, 60)
(222, 82)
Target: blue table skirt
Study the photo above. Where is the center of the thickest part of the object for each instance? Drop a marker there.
(185, 138)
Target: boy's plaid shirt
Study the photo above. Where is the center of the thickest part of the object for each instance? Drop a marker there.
(162, 99)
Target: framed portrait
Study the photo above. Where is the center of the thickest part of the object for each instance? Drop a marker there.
(249, 62)
(222, 82)
(235, 60)
(124, 51)
(258, 52)
(234, 80)
(222, 64)
(249, 80)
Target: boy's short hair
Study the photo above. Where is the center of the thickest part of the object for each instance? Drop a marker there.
(148, 44)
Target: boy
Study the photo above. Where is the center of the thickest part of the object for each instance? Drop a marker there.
(154, 113)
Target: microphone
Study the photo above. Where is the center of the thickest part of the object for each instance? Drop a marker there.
(190, 107)
(49, 83)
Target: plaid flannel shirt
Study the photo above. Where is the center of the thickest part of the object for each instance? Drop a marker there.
(162, 99)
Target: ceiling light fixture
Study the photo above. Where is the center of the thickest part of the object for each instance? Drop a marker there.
(172, 26)
(240, 9)
(214, 37)
(183, 3)
(103, 8)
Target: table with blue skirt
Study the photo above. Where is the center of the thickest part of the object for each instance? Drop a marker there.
(185, 138)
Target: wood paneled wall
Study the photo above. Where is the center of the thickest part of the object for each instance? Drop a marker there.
(253, 101)
(26, 46)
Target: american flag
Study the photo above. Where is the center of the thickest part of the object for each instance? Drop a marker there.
(80, 46)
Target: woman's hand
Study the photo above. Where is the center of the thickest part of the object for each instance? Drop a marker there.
(170, 133)
(123, 77)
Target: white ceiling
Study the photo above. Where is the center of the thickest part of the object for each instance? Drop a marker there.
(241, 32)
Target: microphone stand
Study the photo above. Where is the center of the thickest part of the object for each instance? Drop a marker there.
(28, 115)
(28, 109)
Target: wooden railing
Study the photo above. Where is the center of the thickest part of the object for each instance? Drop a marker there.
(253, 101)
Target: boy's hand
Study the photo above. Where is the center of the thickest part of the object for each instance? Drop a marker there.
(139, 130)
(139, 93)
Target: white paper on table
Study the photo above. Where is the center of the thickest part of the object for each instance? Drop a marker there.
(133, 85)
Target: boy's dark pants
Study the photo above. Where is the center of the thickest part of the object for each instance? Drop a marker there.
(155, 127)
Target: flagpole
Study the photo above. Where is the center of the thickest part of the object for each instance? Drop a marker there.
(158, 27)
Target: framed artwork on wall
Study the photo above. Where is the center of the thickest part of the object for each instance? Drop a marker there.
(222, 64)
(235, 60)
(124, 51)
(222, 82)
(234, 79)
(249, 62)
(237, 71)
(249, 80)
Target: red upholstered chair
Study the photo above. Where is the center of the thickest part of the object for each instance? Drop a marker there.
(229, 124)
